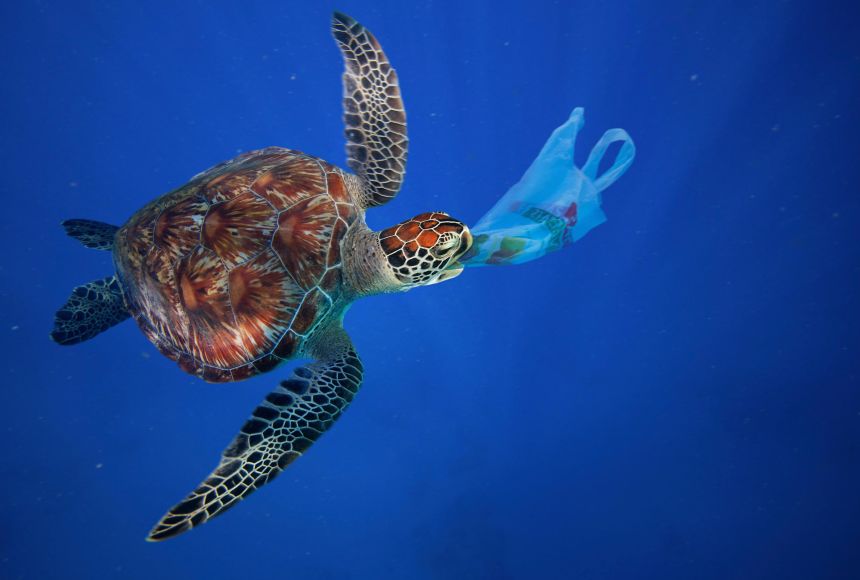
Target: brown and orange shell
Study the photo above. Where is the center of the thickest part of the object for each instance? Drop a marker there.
(230, 273)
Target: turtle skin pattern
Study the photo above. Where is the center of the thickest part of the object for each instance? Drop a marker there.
(90, 310)
(229, 274)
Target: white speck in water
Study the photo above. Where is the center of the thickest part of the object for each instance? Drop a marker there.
(15, 327)
(99, 465)
(694, 77)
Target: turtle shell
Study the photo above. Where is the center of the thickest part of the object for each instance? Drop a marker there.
(229, 274)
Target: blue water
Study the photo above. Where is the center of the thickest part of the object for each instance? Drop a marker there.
(675, 396)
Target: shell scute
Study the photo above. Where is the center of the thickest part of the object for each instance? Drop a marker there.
(264, 298)
(266, 363)
(331, 281)
(339, 231)
(212, 374)
(177, 228)
(204, 294)
(289, 182)
(225, 187)
(238, 229)
(158, 297)
(288, 345)
(303, 238)
(221, 184)
(313, 307)
(337, 188)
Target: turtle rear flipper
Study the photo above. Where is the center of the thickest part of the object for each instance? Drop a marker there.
(90, 310)
(92, 234)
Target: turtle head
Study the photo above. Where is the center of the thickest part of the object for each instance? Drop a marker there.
(424, 250)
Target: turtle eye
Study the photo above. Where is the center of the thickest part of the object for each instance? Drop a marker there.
(444, 246)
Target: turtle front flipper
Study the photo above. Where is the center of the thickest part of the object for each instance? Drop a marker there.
(373, 112)
(279, 431)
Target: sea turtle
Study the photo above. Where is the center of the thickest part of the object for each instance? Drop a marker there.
(255, 261)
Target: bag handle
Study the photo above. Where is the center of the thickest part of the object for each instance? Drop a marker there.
(619, 166)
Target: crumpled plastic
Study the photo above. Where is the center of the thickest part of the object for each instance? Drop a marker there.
(554, 204)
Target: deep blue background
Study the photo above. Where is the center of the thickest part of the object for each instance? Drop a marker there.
(676, 396)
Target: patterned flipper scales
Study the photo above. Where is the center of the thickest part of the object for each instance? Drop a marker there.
(373, 111)
(279, 431)
(92, 234)
(90, 310)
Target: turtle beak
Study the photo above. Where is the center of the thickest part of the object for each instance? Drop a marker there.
(455, 268)
(452, 271)
(465, 242)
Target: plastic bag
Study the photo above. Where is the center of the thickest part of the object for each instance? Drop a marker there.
(554, 204)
